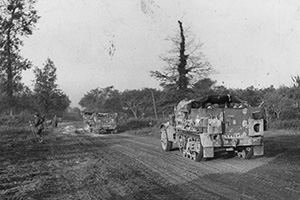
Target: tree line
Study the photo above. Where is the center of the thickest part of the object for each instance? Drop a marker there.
(186, 75)
(281, 103)
(17, 20)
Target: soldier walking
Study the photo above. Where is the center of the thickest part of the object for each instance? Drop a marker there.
(54, 121)
(38, 126)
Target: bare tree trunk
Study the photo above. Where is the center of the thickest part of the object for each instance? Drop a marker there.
(134, 113)
(154, 105)
(9, 68)
(9, 73)
(277, 113)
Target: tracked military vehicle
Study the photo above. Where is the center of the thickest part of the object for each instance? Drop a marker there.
(203, 127)
(100, 122)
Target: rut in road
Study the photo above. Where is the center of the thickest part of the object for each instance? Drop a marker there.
(201, 177)
(175, 168)
(125, 166)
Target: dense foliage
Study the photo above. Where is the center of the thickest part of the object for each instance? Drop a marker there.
(281, 104)
(185, 75)
(49, 99)
(17, 19)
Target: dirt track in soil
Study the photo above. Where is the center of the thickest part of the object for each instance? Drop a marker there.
(70, 165)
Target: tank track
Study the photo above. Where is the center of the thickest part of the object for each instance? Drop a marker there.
(189, 144)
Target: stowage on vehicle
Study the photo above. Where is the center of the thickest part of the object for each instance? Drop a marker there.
(203, 127)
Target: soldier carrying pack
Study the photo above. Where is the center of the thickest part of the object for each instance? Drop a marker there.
(38, 126)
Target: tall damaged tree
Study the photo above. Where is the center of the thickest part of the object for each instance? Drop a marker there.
(186, 64)
(182, 68)
(17, 20)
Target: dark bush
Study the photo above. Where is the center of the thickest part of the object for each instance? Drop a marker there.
(290, 114)
(15, 120)
(285, 124)
(132, 124)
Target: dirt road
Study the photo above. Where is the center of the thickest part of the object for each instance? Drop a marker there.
(73, 165)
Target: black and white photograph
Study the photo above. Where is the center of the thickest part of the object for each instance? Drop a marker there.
(149, 100)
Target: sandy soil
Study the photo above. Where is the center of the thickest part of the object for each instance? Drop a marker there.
(72, 164)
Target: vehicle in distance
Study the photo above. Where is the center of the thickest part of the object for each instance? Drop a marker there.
(100, 122)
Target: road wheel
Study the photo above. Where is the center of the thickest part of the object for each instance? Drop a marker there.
(193, 156)
(180, 149)
(181, 143)
(247, 153)
(199, 155)
(165, 144)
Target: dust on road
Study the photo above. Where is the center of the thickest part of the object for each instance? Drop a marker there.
(72, 164)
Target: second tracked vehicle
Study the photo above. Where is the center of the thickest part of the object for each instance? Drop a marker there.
(101, 122)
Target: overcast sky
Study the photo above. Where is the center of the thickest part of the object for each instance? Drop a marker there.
(98, 43)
